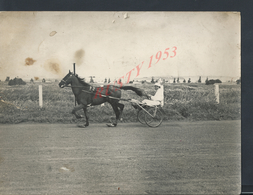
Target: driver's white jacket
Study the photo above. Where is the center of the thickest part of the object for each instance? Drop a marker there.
(158, 95)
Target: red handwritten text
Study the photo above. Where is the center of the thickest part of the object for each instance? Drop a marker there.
(154, 59)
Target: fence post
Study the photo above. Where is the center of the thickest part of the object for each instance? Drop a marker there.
(40, 96)
(74, 70)
(217, 93)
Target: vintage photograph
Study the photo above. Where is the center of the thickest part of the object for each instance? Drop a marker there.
(120, 102)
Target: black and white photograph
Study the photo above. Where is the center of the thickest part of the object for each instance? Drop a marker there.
(120, 102)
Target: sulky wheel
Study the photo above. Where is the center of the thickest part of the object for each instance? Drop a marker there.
(156, 119)
(141, 116)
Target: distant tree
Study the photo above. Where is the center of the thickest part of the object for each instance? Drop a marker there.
(174, 81)
(31, 80)
(152, 80)
(206, 80)
(16, 81)
(189, 80)
(7, 79)
(109, 80)
(199, 81)
(43, 80)
(91, 80)
(178, 80)
(105, 80)
(184, 81)
(238, 81)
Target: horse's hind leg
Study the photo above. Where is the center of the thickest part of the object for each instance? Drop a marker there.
(117, 112)
(121, 107)
(86, 116)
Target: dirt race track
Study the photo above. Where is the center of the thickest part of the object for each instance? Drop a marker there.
(175, 158)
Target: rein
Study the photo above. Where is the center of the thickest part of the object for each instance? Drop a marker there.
(100, 94)
(79, 87)
(74, 86)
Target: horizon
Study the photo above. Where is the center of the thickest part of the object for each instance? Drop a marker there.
(167, 78)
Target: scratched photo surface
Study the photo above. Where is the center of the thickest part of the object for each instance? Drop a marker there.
(194, 56)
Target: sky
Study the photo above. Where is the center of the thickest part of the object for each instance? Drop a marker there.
(111, 44)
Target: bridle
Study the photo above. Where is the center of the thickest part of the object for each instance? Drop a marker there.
(64, 82)
(91, 90)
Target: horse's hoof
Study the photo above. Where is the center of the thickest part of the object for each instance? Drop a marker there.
(111, 125)
(82, 126)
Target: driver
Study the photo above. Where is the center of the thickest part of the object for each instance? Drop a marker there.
(155, 100)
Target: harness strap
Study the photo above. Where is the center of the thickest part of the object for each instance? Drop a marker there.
(92, 91)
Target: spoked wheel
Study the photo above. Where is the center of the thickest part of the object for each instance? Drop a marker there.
(141, 116)
(156, 119)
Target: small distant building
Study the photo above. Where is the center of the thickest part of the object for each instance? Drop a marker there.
(212, 81)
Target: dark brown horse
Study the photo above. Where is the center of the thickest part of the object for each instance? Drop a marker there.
(86, 95)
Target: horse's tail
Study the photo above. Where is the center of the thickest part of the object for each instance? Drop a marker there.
(139, 92)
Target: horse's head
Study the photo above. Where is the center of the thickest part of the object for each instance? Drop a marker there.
(66, 80)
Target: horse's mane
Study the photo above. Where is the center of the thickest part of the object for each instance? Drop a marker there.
(81, 80)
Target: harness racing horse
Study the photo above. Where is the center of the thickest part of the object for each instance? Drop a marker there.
(86, 95)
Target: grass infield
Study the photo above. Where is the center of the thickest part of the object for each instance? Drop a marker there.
(194, 102)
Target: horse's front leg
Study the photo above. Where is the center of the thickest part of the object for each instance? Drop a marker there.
(117, 112)
(75, 109)
(86, 116)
